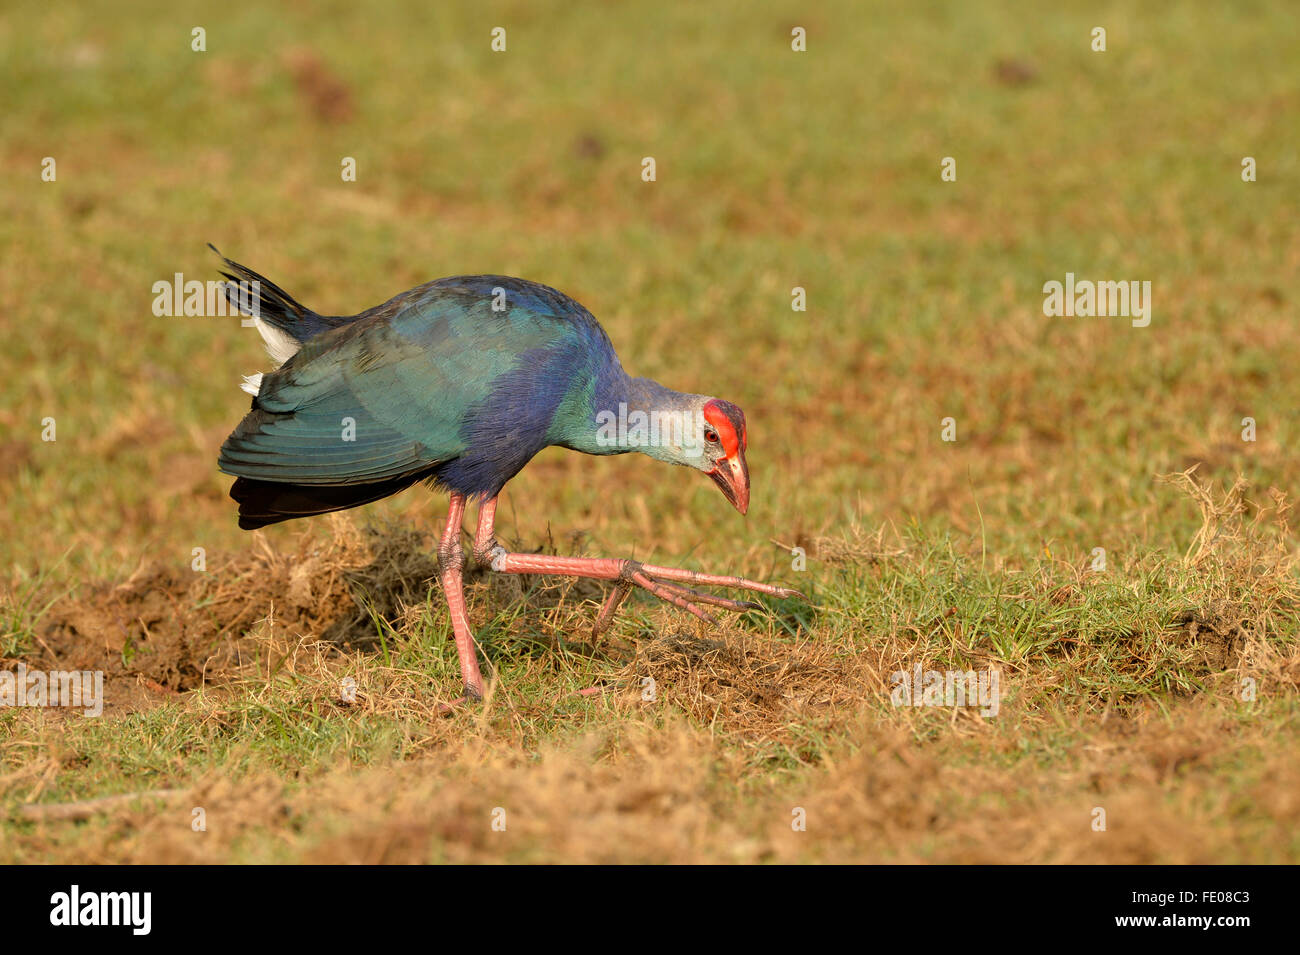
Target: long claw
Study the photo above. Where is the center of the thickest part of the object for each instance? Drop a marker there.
(641, 580)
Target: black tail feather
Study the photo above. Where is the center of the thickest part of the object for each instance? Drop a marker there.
(271, 303)
(270, 502)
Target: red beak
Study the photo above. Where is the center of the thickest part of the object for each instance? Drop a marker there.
(732, 478)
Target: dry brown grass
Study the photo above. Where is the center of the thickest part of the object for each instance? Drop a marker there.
(634, 792)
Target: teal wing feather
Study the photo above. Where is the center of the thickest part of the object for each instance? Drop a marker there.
(389, 394)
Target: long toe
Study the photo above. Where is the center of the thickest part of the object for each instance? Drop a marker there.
(699, 596)
(644, 582)
(716, 580)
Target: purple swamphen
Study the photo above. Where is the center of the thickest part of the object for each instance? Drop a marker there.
(458, 383)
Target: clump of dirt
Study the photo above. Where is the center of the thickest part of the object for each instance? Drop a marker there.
(1218, 635)
(179, 627)
(398, 575)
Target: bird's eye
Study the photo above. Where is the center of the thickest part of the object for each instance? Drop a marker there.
(710, 436)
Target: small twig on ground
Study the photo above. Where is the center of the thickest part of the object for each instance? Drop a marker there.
(85, 808)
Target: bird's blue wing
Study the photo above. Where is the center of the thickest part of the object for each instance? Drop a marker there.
(395, 391)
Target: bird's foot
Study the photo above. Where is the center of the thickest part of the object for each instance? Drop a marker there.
(666, 583)
(472, 695)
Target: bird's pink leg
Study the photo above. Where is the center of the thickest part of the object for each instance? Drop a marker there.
(484, 537)
(451, 568)
(660, 581)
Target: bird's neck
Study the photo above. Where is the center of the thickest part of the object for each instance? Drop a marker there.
(646, 394)
(636, 414)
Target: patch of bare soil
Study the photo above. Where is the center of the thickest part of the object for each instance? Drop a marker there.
(1217, 635)
(176, 628)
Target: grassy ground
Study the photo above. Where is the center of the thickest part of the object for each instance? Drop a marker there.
(1122, 687)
